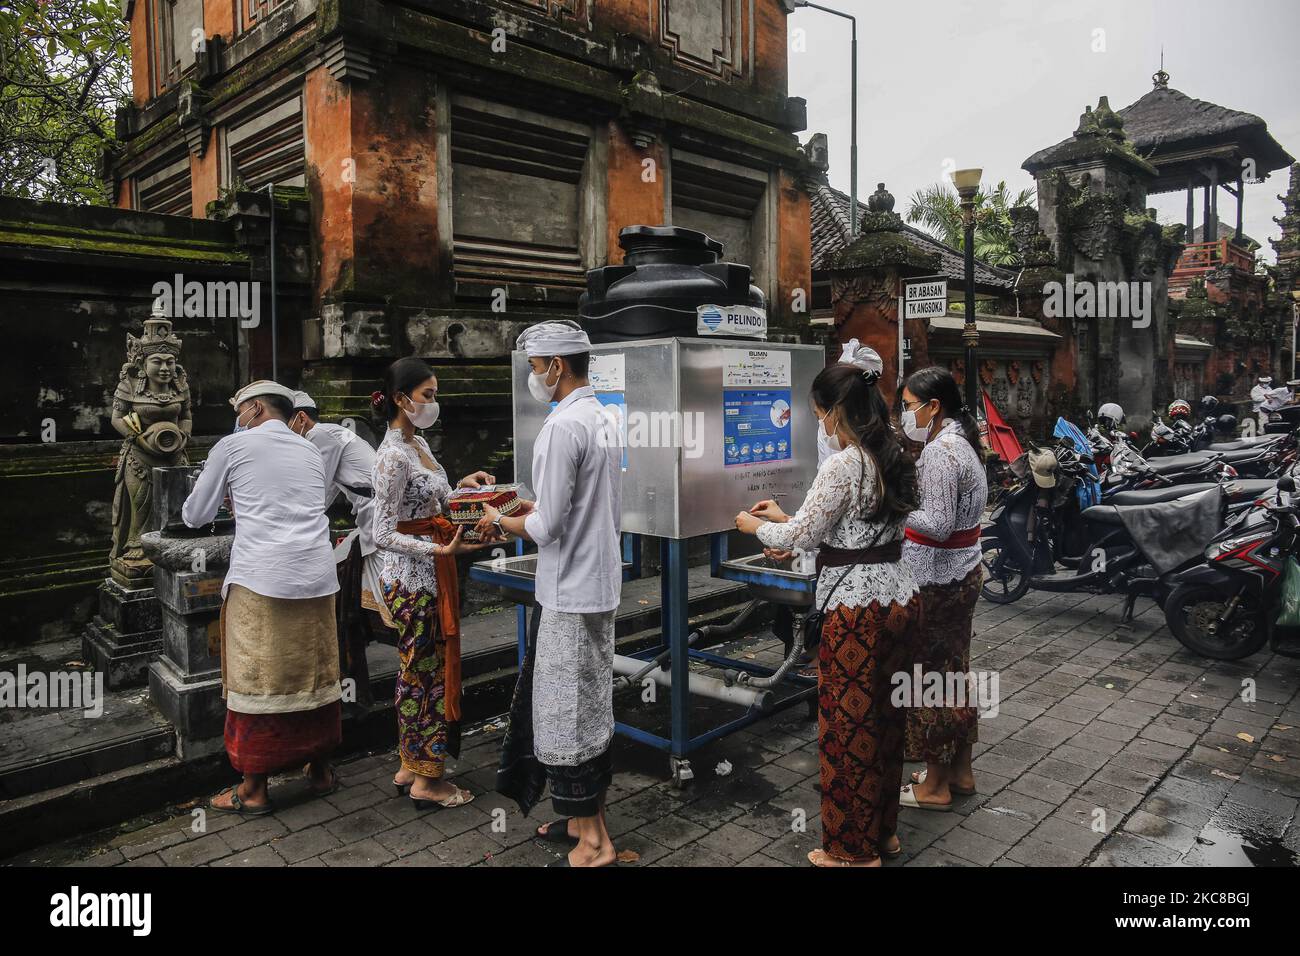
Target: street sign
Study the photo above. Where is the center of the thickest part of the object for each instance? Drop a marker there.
(925, 298)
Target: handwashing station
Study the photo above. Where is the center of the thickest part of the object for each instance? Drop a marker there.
(713, 419)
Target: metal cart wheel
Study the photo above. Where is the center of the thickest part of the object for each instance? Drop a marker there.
(680, 769)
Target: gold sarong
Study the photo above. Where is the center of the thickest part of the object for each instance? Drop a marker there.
(278, 655)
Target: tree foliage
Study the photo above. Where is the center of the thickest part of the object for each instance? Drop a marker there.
(65, 65)
(937, 210)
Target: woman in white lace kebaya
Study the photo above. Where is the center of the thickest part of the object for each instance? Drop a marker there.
(854, 515)
(421, 594)
(943, 552)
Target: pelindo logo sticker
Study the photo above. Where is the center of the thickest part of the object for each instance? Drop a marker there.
(711, 317)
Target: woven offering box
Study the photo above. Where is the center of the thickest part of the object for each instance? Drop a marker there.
(465, 505)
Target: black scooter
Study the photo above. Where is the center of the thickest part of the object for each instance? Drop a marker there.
(1225, 607)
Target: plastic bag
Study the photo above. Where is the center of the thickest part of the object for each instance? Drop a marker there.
(1288, 614)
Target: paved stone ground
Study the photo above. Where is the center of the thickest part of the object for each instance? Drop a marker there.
(1113, 746)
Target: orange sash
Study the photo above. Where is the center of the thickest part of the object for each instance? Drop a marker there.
(444, 565)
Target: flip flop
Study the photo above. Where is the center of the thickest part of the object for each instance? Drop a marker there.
(906, 798)
(557, 831)
(830, 861)
(335, 783)
(238, 807)
(564, 861)
(920, 775)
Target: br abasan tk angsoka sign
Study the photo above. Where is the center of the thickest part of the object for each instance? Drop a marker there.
(925, 298)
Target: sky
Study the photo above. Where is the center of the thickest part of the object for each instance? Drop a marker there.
(945, 84)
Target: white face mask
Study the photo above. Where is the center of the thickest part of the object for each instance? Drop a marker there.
(422, 414)
(538, 388)
(827, 445)
(911, 429)
(239, 423)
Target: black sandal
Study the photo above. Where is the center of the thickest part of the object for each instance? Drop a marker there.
(238, 807)
(557, 831)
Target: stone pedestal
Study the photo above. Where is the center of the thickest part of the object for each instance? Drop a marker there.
(125, 635)
(185, 679)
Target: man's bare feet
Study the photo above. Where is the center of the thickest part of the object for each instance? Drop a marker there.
(586, 854)
(822, 858)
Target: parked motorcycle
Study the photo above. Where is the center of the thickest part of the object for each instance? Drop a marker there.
(1041, 524)
(1225, 607)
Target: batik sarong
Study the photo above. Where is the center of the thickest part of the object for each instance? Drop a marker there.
(425, 735)
(860, 731)
(935, 734)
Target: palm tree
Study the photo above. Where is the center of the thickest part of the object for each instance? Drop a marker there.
(937, 210)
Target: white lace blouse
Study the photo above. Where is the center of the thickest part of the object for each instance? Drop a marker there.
(833, 514)
(953, 491)
(406, 489)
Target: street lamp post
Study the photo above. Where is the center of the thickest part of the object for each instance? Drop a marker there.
(967, 182)
(790, 7)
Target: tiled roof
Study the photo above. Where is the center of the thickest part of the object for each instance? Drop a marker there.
(830, 234)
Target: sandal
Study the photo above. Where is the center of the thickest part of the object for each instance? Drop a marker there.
(906, 798)
(333, 787)
(920, 775)
(827, 860)
(557, 831)
(238, 807)
(457, 799)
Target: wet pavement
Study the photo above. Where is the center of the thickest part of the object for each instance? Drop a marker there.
(1111, 746)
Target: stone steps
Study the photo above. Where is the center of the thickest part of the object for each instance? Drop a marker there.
(62, 774)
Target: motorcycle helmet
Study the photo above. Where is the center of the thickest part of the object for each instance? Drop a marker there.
(1178, 408)
(1226, 424)
(1110, 415)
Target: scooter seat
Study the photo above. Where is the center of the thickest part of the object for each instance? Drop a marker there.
(1151, 496)
(1102, 514)
(1249, 488)
(1176, 463)
(1242, 454)
(1241, 443)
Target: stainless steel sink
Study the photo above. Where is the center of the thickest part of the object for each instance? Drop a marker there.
(774, 581)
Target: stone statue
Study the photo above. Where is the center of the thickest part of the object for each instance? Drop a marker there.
(152, 413)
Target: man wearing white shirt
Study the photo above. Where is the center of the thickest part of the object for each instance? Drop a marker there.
(574, 523)
(349, 462)
(279, 652)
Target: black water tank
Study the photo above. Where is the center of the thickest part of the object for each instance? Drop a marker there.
(668, 272)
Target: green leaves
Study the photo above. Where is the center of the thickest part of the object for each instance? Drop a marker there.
(64, 66)
(937, 210)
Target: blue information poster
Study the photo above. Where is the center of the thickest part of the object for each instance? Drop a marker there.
(616, 408)
(756, 426)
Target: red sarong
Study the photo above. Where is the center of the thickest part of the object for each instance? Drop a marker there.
(269, 743)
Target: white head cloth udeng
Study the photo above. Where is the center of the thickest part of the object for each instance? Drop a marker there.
(563, 337)
(262, 387)
(303, 400)
(862, 356)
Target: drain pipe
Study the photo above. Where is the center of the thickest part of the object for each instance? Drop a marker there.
(746, 679)
(275, 324)
(714, 633)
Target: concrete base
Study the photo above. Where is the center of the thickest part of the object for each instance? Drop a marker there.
(193, 706)
(125, 636)
(124, 663)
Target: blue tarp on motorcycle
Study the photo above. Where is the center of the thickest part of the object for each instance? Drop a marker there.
(1171, 533)
(1089, 492)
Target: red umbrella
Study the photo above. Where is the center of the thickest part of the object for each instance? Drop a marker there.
(1001, 437)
